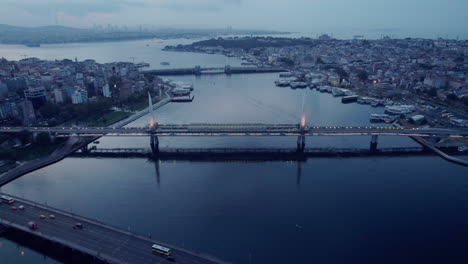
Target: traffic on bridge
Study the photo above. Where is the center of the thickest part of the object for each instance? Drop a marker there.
(107, 243)
(241, 130)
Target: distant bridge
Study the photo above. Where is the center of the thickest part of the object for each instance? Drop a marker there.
(197, 70)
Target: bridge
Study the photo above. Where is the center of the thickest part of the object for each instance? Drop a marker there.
(101, 241)
(250, 154)
(197, 70)
(250, 130)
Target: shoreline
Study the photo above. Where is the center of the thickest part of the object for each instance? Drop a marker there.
(71, 145)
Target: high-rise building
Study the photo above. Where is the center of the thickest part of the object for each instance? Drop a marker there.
(60, 95)
(106, 90)
(80, 96)
(36, 95)
(27, 109)
(6, 109)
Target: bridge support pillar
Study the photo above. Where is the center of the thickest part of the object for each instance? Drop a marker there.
(154, 141)
(300, 143)
(373, 143)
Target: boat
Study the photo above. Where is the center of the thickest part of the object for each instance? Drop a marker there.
(349, 99)
(295, 85)
(142, 65)
(282, 83)
(338, 91)
(165, 63)
(182, 99)
(181, 91)
(381, 118)
(399, 109)
(286, 75)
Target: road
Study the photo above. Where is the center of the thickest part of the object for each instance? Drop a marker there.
(97, 239)
(68, 147)
(242, 130)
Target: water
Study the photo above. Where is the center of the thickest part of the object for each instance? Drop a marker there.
(324, 210)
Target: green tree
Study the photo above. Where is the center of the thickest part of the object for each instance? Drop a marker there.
(49, 110)
(24, 136)
(362, 75)
(43, 139)
(432, 92)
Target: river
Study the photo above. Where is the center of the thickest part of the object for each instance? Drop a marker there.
(324, 210)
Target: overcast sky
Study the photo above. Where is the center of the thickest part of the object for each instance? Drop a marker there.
(419, 17)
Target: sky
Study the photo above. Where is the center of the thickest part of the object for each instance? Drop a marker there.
(430, 18)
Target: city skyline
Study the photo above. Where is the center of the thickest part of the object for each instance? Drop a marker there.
(431, 19)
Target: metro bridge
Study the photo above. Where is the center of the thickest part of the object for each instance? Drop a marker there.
(250, 130)
(198, 70)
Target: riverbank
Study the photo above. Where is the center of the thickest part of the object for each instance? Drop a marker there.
(70, 146)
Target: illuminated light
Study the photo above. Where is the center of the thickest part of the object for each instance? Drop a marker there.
(303, 120)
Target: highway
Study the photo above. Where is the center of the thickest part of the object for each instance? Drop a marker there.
(241, 130)
(106, 242)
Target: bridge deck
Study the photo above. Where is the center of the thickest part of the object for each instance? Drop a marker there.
(107, 243)
(240, 130)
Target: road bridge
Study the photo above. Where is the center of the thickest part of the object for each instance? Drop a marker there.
(251, 130)
(102, 241)
(257, 130)
(197, 70)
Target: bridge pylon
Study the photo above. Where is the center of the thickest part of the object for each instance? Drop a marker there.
(197, 70)
(300, 143)
(227, 69)
(154, 142)
(373, 143)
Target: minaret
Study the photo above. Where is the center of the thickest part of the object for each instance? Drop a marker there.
(150, 110)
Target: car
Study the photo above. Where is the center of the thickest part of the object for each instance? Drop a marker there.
(21, 207)
(13, 208)
(78, 226)
(42, 217)
(52, 216)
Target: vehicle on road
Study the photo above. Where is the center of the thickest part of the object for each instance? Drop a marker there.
(7, 199)
(32, 225)
(21, 207)
(78, 226)
(42, 217)
(52, 216)
(161, 250)
(14, 208)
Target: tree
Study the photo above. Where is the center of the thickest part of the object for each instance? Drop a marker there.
(362, 75)
(24, 136)
(43, 139)
(49, 110)
(432, 92)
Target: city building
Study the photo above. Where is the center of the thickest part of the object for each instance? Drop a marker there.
(106, 90)
(80, 96)
(37, 96)
(60, 95)
(28, 113)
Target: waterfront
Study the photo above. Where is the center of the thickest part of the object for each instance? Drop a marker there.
(323, 210)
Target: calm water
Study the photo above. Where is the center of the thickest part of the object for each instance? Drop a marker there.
(339, 210)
